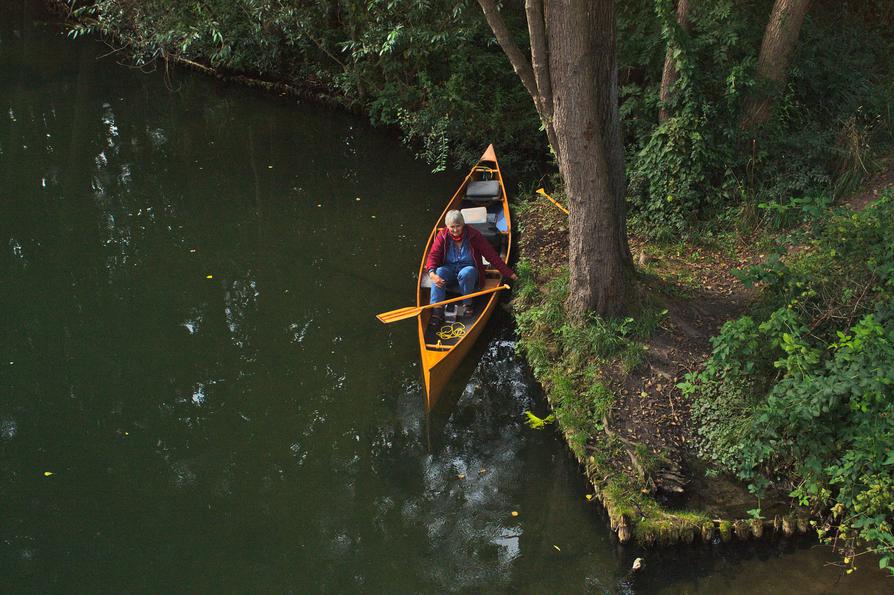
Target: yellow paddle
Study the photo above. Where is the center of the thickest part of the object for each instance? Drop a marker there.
(541, 191)
(410, 311)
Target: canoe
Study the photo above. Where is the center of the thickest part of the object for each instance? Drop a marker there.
(481, 197)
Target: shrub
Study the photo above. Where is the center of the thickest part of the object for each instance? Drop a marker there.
(800, 394)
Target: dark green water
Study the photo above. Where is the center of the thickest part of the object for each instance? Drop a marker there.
(259, 430)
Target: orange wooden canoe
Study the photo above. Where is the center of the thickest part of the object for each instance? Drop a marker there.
(482, 199)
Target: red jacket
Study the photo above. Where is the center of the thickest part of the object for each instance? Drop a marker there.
(480, 247)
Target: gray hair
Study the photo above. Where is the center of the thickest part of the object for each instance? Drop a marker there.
(454, 217)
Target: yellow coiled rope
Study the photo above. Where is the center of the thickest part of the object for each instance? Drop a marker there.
(453, 330)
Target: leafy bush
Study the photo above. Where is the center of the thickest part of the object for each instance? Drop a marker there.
(800, 394)
(832, 118)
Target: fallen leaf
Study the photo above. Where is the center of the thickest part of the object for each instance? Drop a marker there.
(558, 549)
(514, 513)
(209, 276)
(47, 473)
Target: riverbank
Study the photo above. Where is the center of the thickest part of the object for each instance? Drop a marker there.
(616, 387)
(619, 406)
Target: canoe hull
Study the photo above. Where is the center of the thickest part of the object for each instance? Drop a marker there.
(438, 362)
(438, 367)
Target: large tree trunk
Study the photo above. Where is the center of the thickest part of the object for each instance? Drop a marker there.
(670, 75)
(778, 45)
(584, 79)
(574, 86)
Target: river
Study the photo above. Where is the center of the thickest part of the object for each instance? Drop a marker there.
(197, 397)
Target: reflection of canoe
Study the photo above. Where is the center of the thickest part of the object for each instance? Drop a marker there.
(482, 199)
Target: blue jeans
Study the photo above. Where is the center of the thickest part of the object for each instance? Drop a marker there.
(465, 276)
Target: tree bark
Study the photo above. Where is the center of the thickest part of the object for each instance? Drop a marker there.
(780, 38)
(584, 72)
(671, 74)
(574, 84)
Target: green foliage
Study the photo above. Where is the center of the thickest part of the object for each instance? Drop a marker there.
(801, 393)
(433, 70)
(833, 116)
(538, 423)
(429, 68)
(682, 169)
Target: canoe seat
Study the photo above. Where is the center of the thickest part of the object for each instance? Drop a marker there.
(483, 191)
(491, 233)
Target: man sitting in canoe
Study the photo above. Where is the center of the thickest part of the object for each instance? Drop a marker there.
(455, 257)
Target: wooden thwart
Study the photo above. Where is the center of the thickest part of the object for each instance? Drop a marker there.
(411, 311)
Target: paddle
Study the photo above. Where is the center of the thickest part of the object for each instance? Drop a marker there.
(542, 192)
(410, 311)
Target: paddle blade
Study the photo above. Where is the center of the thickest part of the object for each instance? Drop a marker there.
(399, 314)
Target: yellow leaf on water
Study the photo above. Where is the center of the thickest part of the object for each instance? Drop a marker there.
(589, 497)
(209, 276)
(514, 513)
(558, 549)
(47, 473)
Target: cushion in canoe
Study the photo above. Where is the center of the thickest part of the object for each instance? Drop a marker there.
(474, 215)
(483, 191)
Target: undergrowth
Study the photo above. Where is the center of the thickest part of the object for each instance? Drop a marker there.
(799, 393)
(573, 359)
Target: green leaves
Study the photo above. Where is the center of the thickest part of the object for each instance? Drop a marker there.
(801, 392)
(537, 423)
